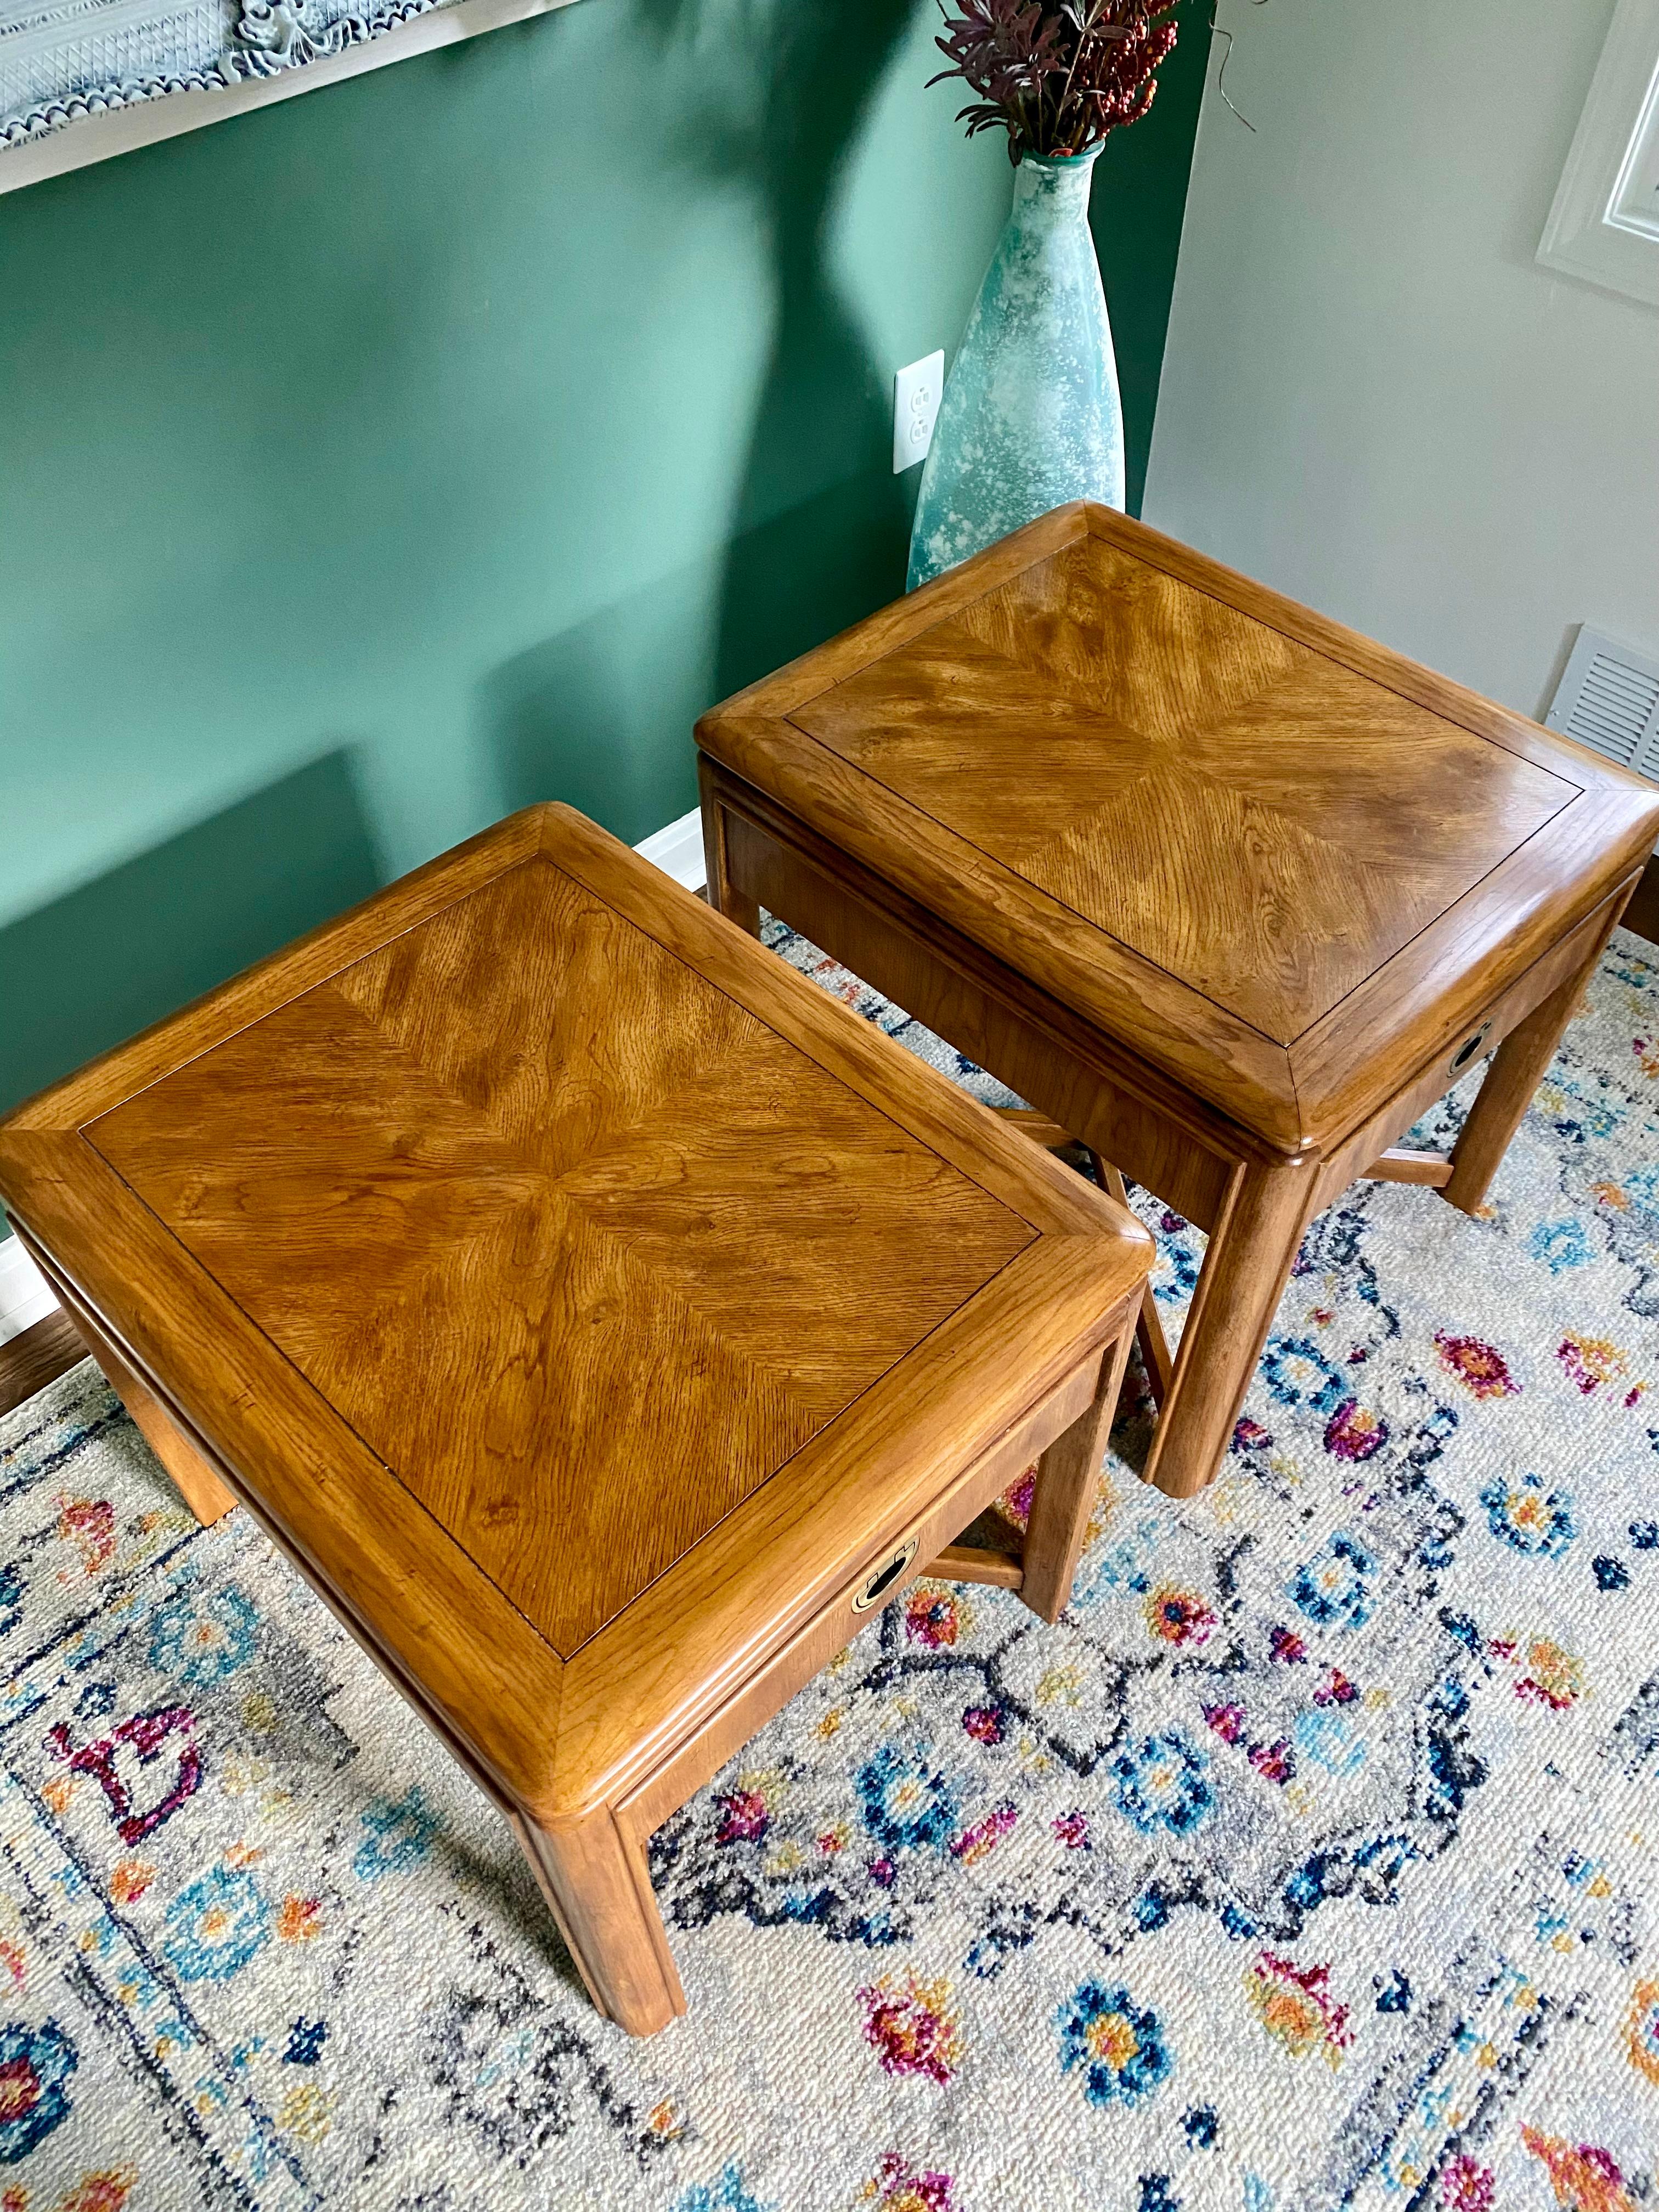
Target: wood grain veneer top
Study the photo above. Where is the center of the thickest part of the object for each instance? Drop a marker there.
(1252, 844)
(511, 1237)
(582, 1249)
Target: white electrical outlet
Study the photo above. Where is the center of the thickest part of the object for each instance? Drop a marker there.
(917, 392)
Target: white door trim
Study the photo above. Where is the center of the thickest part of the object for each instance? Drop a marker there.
(1604, 226)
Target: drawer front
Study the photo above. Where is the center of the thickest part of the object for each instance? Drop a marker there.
(1484, 1034)
(879, 1583)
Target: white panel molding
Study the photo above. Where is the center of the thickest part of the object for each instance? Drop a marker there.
(116, 121)
(1604, 226)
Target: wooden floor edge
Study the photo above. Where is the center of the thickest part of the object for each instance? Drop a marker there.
(39, 1356)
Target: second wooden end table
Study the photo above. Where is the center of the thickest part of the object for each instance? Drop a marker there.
(1230, 892)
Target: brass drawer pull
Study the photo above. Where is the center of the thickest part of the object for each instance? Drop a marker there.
(885, 1576)
(1470, 1047)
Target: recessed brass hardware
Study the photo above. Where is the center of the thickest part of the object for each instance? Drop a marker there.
(885, 1576)
(1470, 1047)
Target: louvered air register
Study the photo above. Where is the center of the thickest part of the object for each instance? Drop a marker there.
(1608, 699)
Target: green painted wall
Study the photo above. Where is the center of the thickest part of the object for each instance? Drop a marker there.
(447, 439)
(1140, 199)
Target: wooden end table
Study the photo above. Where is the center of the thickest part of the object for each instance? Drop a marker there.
(1227, 891)
(604, 1321)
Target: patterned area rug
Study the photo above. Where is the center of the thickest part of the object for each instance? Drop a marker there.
(1310, 1862)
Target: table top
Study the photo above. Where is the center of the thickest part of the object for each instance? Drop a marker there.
(1257, 848)
(538, 1252)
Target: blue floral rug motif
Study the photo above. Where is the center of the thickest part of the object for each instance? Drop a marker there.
(1310, 1862)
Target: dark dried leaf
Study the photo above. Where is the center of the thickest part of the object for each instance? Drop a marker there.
(1056, 75)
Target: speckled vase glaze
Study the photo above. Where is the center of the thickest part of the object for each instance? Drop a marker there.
(1031, 415)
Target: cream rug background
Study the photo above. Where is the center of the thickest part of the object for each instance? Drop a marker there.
(1308, 1863)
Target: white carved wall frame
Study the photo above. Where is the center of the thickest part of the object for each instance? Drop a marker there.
(82, 80)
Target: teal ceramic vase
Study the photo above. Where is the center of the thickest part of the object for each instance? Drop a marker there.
(1031, 415)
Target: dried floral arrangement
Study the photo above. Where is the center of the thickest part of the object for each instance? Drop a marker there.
(1056, 75)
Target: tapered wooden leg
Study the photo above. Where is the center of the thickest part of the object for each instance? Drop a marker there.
(1149, 1329)
(1067, 1479)
(197, 1480)
(723, 895)
(1252, 1250)
(599, 1890)
(1518, 1067)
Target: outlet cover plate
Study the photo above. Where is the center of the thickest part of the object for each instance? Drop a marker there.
(917, 392)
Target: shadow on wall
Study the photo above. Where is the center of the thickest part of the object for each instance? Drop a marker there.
(773, 93)
(83, 973)
(1138, 205)
(601, 715)
(821, 528)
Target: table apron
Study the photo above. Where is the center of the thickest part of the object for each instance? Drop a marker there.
(858, 920)
(747, 1710)
(1564, 959)
(847, 915)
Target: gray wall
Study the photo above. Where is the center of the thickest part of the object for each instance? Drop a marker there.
(1372, 398)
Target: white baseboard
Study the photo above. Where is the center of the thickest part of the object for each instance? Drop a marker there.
(677, 850)
(24, 1297)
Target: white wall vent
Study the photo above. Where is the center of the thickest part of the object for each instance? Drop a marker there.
(1608, 699)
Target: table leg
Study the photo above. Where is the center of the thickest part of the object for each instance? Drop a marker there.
(1067, 1480)
(723, 895)
(196, 1482)
(1149, 1329)
(599, 1888)
(1518, 1066)
(1251, 1251)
